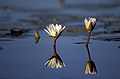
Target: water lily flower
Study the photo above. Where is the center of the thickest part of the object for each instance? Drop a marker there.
(90, 24)
(90, 67)
(55, 61)
(54, 31)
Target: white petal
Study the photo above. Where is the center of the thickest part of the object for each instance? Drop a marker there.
(63, 28)
(94, 21)
(53, 33)
(58, 29)
(52, 26)
(47, 31)
(48, 28)
(86, 21)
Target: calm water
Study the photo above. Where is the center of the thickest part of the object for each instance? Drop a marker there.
(21, 58)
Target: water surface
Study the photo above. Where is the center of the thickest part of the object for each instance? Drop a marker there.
(22, 58)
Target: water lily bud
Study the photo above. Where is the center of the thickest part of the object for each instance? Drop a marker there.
(90, 23)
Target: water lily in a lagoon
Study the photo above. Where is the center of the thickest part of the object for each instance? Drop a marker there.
(54, 31)
(90, 67)
(90, 24)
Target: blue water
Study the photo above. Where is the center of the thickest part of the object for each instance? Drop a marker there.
(21, 58)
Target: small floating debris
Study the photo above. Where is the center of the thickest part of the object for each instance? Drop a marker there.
(16, 32)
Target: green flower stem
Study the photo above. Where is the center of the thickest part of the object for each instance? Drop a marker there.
(88, 38)
(88, 53)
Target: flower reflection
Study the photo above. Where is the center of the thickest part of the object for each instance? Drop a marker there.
(90, 67)
(90, 24)
(55, 61)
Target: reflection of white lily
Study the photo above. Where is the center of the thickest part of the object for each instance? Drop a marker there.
(90, 24)
(55, 61)
(90, 67)
(54, 30)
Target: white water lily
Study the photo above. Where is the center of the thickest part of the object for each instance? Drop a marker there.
(90, 23)
(54, 30)
(55, 61)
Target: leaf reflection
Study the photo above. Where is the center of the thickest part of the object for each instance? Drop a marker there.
(36, 39)
(55, 61)
(90, 67)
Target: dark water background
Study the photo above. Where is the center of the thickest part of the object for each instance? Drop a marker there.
(21, 58)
